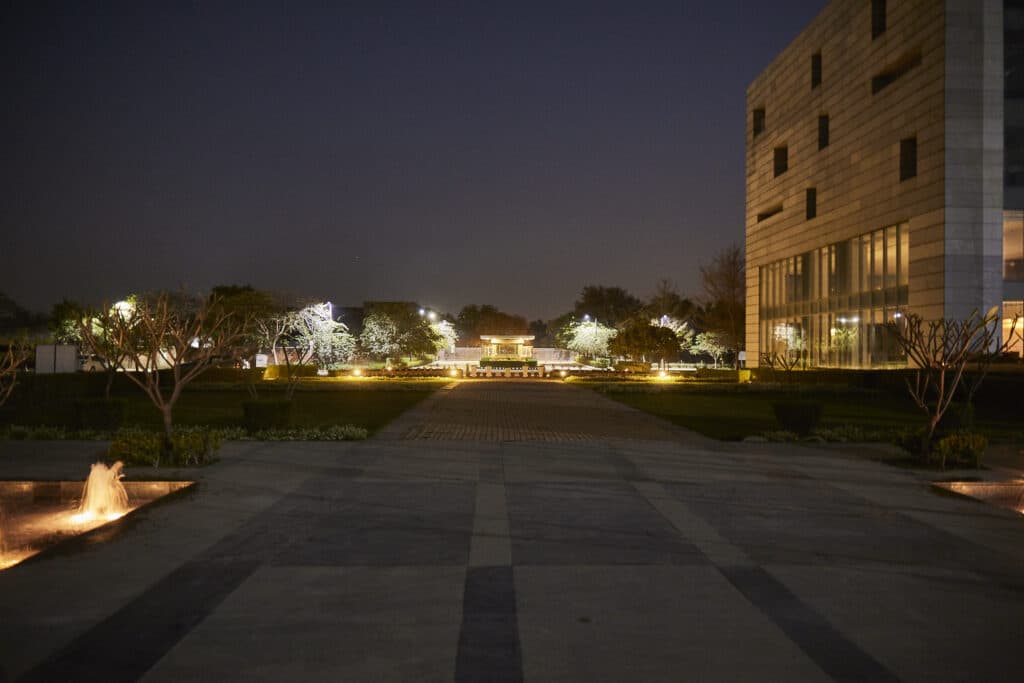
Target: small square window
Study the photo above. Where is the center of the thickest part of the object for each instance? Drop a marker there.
(815, 70)
(812, 202)
(758, 120)
(781, 160)
(822, 131)
(908, 158)
(877, 18)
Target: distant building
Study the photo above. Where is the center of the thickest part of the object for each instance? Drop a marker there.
(885, 175)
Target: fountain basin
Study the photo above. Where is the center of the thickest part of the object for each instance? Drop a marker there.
(35, 515)
(1004, 494)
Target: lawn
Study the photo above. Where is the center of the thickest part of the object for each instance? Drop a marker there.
(732, 413)
(369, 403)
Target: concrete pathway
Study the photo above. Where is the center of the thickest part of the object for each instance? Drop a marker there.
(524, 531)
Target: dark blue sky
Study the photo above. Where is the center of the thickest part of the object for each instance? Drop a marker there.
(448, 153)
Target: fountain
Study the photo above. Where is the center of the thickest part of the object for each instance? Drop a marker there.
(35, 515)
(103, 495)
(1004, 494)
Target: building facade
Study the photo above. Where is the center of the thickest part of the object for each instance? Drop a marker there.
(876, 181)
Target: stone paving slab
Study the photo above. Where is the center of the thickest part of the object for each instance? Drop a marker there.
(610, 558)
(301, 623)
(647, 624)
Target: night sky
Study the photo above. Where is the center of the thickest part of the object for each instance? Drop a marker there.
(446, 153)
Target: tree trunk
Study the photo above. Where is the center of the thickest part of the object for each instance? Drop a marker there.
(110, 383)
(167, 448)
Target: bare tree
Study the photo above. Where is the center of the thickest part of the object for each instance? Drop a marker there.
(724, 283)
(271, 329)
(160, 336)
(940, 351)
(11, 361)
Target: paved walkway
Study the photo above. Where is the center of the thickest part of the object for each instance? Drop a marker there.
(605, 546)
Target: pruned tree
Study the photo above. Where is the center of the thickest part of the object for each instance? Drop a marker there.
(271, 329)
(11, 360)
(109, 344)
(940, 351)
(724, 283)
(163, 336)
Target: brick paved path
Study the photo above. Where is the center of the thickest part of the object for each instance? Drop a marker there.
(524, 410)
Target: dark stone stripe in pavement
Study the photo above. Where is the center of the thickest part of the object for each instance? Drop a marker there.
(129, 642)
(839, 657)
(126, 644)
(626, 468)
(489, 641)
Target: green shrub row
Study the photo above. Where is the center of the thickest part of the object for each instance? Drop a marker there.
(190, 446)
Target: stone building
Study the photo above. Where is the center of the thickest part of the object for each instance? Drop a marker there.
(884, 175)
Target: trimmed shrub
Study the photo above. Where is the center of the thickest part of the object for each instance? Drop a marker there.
(190, 446)
(508, 363)
(99, 413)
(798, 416)
(963, 448)
(267, 414)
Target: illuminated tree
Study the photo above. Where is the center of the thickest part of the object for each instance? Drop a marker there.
(380, 337)
(588, 338)
(445, 335)
(325, 341)
(394, 329)
(160, 337)
(712, 344)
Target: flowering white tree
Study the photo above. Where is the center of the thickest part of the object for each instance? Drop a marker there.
(588, 338)
(322, 339)
(380, 337)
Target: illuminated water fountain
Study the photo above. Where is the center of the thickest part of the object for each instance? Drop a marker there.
(1004, 494)
(104, 495)
(37, 514)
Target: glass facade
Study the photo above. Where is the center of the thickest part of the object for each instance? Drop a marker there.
(1013, 333)
(828, 307)
(1013, 246)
